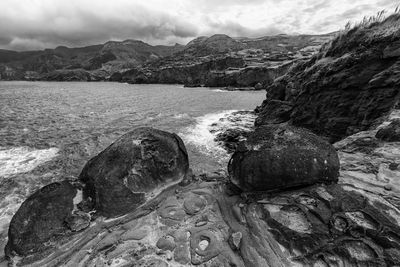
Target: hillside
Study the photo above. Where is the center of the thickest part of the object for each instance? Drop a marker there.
(344, 88)
(245, 61)
(222, 61)
(95, 61)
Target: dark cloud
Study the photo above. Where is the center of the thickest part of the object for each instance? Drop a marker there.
(79, 26)
(37, 24)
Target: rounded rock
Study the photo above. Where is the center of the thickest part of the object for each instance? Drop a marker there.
(122, 176)
(281, 157)
(42, 219)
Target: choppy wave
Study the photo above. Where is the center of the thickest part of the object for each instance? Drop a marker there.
(23, 159)
(201, 136)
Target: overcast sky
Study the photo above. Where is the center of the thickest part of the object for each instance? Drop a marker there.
(38, 24)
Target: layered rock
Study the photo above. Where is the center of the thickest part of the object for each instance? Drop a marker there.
(391, 132)
(281, 157)
(129, 171)
(347, 86)
(207, 221)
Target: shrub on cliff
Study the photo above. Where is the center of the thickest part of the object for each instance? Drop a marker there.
(348, 85)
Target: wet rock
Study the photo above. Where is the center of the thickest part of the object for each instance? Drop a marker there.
(231, 137)
(181, 252)
(193, 204)
(171, 211)
(120, 178)
(387, 187)
(204, 246)
(281, 157)
(393, 166)
(166, 243)
(235, 240)
(273, 111)
(135, 234)
(258, 86)
(78, 221)
(43, 218)
(390, 133)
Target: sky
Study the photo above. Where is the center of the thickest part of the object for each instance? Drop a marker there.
(39, 24)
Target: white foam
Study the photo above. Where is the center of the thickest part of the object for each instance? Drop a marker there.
(23, 159)
(181, 116)
(220, 91)
(200, 134)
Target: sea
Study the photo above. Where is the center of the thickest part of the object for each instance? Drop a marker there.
(48, 130)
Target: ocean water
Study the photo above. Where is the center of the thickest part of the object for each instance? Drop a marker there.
(48, 130)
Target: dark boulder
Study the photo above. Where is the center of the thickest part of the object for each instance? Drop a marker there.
(390, 133)
(231, 137)
(123, 175)
(273, 112)
(42, 219)
(279, 157)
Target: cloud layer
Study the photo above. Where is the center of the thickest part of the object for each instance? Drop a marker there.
(38, 24)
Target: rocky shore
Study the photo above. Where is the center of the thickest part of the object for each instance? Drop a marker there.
(313, 183)
(314, 213)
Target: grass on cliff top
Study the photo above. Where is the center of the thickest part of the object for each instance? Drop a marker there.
(381, 28)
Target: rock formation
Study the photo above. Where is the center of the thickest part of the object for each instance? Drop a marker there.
(49, 214)
(391, 132)
(128, 172)
(342, 90)
(280, 157)
(205, 219)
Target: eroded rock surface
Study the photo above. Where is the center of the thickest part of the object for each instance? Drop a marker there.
(391, 132)
(208, 222)
(280, 157)
(126, 173)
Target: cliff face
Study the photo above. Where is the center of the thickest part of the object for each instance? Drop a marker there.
(218, 60)
(344, 88)
(222, 61)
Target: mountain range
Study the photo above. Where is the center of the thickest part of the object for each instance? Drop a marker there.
(217, 60)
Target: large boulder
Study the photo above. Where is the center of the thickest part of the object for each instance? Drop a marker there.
(43, 218)
(279, 157)
(390, 133)
(126, 173)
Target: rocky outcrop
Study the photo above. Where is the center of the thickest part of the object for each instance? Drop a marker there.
(129, 171)
(390, 133)
(245, 77)
(186, 72)
(347, 86)
(281, 157)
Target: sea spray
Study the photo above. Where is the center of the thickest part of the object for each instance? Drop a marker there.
(23, 159)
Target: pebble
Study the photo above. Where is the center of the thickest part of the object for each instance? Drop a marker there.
(201, 223)
(388, 187)
(393, 166)
(235, 240)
